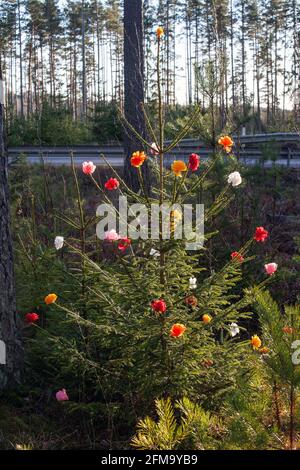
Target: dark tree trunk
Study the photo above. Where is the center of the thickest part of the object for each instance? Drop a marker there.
(133, 87)
(9, 333)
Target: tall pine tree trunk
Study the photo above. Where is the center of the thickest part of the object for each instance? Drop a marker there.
(10, 363)
(133, 86)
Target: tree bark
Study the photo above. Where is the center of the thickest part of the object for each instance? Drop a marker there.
(10, 366)
(134, 87)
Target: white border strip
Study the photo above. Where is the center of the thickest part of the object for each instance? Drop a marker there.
(1, 92)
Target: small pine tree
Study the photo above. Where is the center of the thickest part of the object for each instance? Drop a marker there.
(153, 319)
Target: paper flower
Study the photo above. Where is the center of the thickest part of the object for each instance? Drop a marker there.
(112, 184)
(137, 159)
(194, 162)
(177, 330)
(31, 317)
(50, 299)
(59, 242)
(88, 168)
(178, 167)
(62, 395)
(193, 282)
(255, 342)
(261, 234)
(271, 268)
(234, 329)
(234, 179)
(206, 318)
(159, 306)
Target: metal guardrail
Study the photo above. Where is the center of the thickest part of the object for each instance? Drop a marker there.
(249, 149)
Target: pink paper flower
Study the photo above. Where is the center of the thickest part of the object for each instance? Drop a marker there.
(88, 168)
(112, 236)
(271, 268)
(154, 149)
(62, 395)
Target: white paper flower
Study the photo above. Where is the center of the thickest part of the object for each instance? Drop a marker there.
(154, 253)
(235, 179)
(59, 242)
(234, 329)
(193, 282)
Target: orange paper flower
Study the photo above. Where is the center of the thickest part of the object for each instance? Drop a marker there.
(191, 300)
(178, 166)
(137, 159)
(206, 318)
(256, 342)
(177, 330)
(160, 32)
(50, 299)
(288, 329)
(264, 350)
(226, 142)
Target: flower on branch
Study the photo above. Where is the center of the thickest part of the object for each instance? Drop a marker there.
(111, 236)
(31, 317)
(160, 32)
(261, 234)
(234, 179)
(62, 395)
(159, 306)
(112, 184)
(234, 329)
(206, 318)
(193, 282)
(255, 342)
(137, 159)
(154, 253)
(177, 330)
(50, 299)
(288, 329)
(88, 168)
(178, 167)
(271, 268)
(124, 243)
(194, 162)
(154, 149)
(191, 300)
(264, 350)
(59, 242)
(237, 256)
(226, 142)
(207, 363)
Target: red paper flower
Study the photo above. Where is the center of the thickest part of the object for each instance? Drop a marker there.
(159, 306)
(112, 184)
(31, 317)
(236, 255)
(261, 234)
(124, 243)
(194, 162)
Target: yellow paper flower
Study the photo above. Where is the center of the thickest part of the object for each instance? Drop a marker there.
(256, 342)
(178, 166)
(50, 299)
(206, 318)
(160, 32)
